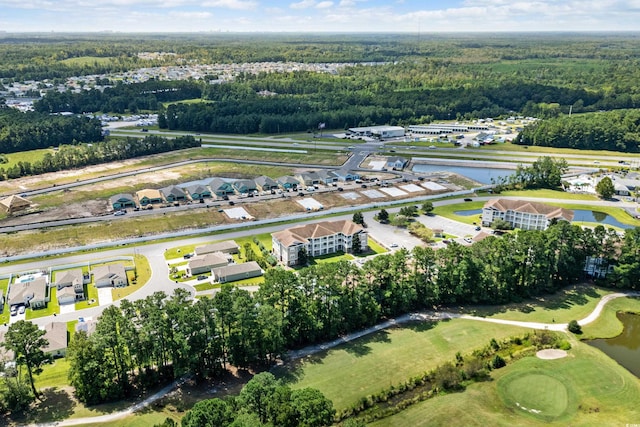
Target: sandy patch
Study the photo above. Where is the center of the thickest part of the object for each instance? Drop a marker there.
(350, 195)
(411, 188)
(433, 186)
(377, 165)
(373, 194)
(551, 353)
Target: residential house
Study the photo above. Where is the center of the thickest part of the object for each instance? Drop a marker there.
(56, 334)
(122, 201)
(110, 275)
(244, 186)
(317, 239)
(233, 272)
(523, 214)
(220, 187)
(395, 162)
(346, 175)
(173, 194)
(308, 178)
(149, 197)
(205, 263)
(327, 177)
(70, 285)
(226, 247)
(288, 182)
(88, 325)
(198, 192)
(597, 267)
(265, 183)
(14, 203)
(31, 293)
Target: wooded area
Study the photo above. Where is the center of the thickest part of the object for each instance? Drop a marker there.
(143, 342)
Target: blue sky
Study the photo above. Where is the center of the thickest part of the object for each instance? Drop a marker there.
(319, 15)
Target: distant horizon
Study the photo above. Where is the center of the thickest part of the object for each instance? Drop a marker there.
(318, 16)
(274, 32)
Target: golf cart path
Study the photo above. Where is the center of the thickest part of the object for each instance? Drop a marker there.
(292, 355)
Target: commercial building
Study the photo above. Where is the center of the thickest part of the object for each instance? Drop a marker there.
(523, 214)
(317, 239)
(381, 132)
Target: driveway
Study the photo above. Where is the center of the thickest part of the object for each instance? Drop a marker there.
(448, 226)
(67, 308)
(105, 296)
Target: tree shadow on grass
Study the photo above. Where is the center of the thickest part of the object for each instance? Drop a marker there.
(563, 299)
(361, 346)
(55, 405)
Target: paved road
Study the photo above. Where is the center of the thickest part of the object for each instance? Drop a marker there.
(430, 316)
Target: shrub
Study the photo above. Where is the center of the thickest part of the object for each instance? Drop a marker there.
(574, 327)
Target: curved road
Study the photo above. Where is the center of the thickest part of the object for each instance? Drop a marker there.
(424, 316)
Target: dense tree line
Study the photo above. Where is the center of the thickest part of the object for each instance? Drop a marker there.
(545, 172)
(612, 130)
(121, 98)
(32, 130)
(142, 342)
(74, 156)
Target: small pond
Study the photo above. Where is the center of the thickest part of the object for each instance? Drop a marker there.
(625, 348)
(481, 175)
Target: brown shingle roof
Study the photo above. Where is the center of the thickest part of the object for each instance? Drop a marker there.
(549, 211)
(301, 234)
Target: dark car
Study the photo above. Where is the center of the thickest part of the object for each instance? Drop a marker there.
(202, 277)
(364, 186)
(468, 200)
(187, 256)
(478, 228)
(301, 194)
(340, 189)
(231, 203)
(225, 197)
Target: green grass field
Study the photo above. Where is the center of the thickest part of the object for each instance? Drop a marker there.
(607, 325)
(573, 303)
(88, 60)
(375, 362)
(585, 388)
(54, 374)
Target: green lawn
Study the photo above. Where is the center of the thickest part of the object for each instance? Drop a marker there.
(448, 211)
(375, 362)
(608, 325)
(4, 315)
(90, 293)
(51, 308)
(53, 374)
(573, 303)
(549, 194)
(586, 388)
(143, 270)
(25, 156)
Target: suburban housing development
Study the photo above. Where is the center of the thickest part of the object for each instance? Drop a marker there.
(523, 214)
(318, 239)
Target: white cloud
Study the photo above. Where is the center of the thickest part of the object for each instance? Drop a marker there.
(232, 4)
(324, 5)
(304, 4)
(190, 15)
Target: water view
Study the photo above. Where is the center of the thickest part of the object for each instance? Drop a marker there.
(579, 215)
(625, 348)
(481, 175)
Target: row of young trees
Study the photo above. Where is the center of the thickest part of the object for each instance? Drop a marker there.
(74, 156)
(32, 130)
(141, 342)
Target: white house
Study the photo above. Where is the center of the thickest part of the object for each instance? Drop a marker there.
(522, 214)
(317, 239)
(70, 285)
(110, 275)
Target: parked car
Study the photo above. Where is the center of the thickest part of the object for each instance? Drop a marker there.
(187, 256)
(231, 203)
(22, 309)
(478, 228)
(393, 245)
(364, 186)
(119, 213)
(202, 277)
(340, 189)
(301, 194)
(14, 310)
(468, 200)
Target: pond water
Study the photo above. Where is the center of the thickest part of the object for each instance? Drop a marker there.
(599, 217)
(625, 348)
(579, 215)
(481, 175)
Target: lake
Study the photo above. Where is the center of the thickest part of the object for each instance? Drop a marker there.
(579, 215)
(625, 348)
(481, 175)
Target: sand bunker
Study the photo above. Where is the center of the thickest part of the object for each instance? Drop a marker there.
(551, 354)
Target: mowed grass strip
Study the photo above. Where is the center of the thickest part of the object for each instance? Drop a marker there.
(573, 303)
(370, 364)
(607, 325)
(604, 393)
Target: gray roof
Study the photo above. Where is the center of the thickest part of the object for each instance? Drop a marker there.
(265, 180)
(172, 189)
(197, 189)
(216, 183)
(108, 271)
(226, 246)
(245, 267)
(69, 277)
(117, 197)
(211, 260)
